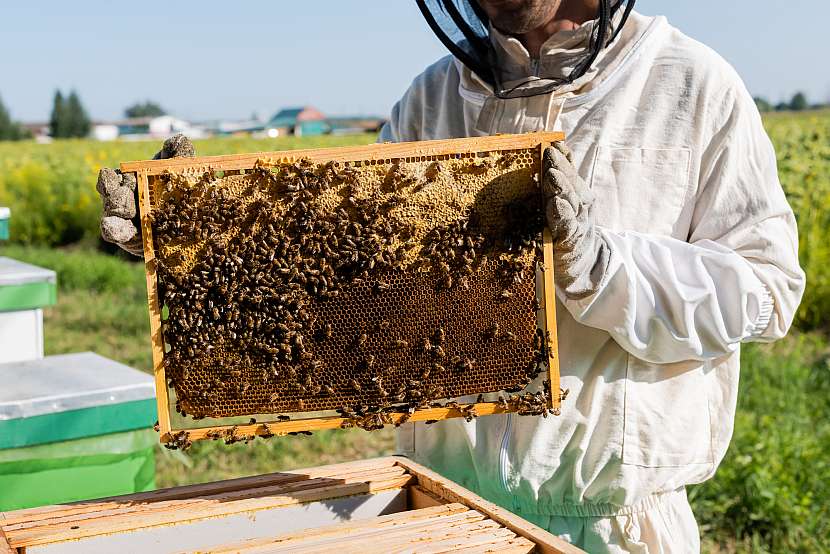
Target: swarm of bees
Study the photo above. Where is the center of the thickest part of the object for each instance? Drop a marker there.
(365, 289)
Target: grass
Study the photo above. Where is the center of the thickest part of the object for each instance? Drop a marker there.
(771, 494)
(51, 187)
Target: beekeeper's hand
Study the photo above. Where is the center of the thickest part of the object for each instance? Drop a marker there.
(580, 253)
(119, 223)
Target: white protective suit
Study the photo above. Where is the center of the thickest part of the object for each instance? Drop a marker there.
(704, 257)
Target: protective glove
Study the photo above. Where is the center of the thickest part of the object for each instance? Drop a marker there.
(580, 253)
(120, 224)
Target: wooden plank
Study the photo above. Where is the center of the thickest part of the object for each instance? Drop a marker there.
(419, 498)
(456, 538)
(452, 492)
(369, 152)
(5, 545)
(409, 520)
(156, 337)
(335, 422)
(141, 510)
(199, 510)
(461, 528)
(368, 467)
(206, 490)
(551, 333)
(519, 545)
(442, 536)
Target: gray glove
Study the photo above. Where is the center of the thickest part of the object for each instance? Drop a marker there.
(580, 254)
(119, 223)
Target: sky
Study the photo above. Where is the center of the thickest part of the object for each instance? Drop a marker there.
(218, 59)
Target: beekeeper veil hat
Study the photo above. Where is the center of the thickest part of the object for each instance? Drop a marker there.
(464, 28)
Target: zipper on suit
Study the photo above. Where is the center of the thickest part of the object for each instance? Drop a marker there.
(505, 443)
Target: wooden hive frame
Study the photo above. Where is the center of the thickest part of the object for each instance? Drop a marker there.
(377, 153)
(375, 505)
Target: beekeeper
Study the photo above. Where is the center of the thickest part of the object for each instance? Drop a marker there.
(674, 244)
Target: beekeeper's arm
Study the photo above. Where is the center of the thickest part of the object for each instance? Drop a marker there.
(666, 300)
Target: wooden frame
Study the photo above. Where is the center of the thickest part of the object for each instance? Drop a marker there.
(378, 153)
(387, 498)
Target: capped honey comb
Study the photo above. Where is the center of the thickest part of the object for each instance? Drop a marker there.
(379, 286)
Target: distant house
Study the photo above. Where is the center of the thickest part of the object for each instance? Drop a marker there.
(236, 128)
(40, 130)
(345, 125)
(297, 121)
(104, 131)
(153, 127)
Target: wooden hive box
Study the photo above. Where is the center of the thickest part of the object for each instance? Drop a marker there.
(363, 286)
(380, 505)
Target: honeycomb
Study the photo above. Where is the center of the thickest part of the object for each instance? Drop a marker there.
(380, 285)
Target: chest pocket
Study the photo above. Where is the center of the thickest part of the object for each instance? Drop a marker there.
(640, 189)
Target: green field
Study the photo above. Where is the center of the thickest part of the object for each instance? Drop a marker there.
(771, 494)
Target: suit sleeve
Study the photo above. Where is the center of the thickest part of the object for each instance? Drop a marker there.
(736, 278)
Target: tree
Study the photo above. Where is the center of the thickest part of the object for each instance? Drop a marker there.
(147, 109)
(799, 102)
(57, 120)
(763, 104)
(78, 123)
(10, 130)
(69, 118)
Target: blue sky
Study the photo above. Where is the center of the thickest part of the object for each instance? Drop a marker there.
(213, 59)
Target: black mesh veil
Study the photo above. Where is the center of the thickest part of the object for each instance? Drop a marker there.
(463, 27)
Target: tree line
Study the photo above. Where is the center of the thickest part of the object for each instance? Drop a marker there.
(69, 118)
(11, 130)
(797, 103)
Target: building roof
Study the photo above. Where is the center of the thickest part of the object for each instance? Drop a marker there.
(289, 117)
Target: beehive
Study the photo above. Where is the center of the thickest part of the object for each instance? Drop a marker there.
(385, 282)
(380, 505)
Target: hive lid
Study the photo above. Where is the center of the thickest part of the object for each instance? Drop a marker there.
(68, 382)
(5, 213)
(13, 272)
(71, 396)
(24, 286)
